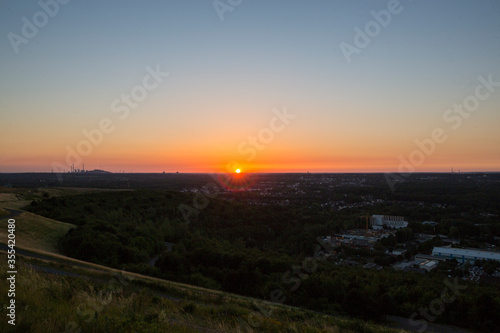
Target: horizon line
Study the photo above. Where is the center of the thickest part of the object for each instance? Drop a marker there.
(244, 173)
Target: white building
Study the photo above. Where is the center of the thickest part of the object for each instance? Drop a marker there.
(429, 265)
(396, 222)
(463, 255)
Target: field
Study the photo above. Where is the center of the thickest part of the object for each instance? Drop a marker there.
(37, 232)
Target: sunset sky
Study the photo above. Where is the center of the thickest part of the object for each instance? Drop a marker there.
(264, 83)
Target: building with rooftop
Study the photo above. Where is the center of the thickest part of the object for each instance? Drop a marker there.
(396, 222)
(465, 255)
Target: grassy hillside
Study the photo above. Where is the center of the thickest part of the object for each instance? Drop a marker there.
(37, 232)
(51, 303)
(32, 230)
(16, 198)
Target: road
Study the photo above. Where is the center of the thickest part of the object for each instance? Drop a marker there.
(62, 272)
(13, 213)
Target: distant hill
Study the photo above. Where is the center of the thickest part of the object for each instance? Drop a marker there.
(97, 171)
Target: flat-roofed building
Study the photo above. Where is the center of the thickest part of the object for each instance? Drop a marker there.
(463, 255)
(429, 265)
(396, 222)
(429, 257)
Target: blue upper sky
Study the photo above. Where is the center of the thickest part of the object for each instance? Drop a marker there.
(227, 75)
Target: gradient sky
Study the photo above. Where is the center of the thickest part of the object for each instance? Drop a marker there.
(227, 77)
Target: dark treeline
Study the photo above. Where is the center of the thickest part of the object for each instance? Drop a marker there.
(254, 250)
(473, 191)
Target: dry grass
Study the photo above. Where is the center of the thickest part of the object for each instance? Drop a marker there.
(12, 200)
(51, 303)
(7, 197)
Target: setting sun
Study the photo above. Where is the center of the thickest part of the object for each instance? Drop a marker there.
(238, 170)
